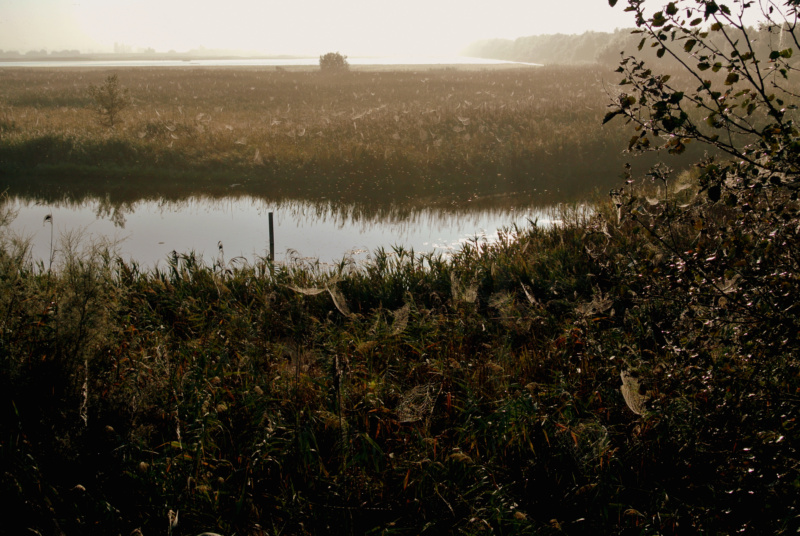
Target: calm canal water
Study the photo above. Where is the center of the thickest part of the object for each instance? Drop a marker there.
(147, 231)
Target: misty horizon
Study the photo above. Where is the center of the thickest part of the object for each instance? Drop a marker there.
(353, 27)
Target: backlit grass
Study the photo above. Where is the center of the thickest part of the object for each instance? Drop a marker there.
(415, 395)
(401, 135)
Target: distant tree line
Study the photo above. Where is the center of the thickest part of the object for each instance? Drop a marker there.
(547, 49)
(38, 53)
(594, 47)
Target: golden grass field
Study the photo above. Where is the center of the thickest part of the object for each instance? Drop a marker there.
(403, 134)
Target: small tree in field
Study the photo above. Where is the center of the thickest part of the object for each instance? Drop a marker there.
(110, 99)
(333, 62)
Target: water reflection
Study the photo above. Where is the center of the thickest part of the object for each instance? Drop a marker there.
(149, 230)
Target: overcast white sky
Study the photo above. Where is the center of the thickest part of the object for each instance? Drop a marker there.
(352, 27)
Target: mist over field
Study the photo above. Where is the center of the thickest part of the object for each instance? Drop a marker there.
(354, 27)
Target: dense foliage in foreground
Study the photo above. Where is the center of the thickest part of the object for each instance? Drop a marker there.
(587, 378)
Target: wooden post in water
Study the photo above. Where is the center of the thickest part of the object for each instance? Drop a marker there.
(271, 240)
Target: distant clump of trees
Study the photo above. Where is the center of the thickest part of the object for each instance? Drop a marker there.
(333, 62)
(595, 47)
(548, 49)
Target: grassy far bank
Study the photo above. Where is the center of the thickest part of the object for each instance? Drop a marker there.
(578, 379)
(398, 136)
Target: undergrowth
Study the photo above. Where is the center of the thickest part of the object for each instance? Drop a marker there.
(557, 380)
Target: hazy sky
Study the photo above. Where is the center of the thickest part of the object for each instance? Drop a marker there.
(353, 27)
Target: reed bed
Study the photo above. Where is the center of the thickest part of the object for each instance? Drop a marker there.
(519, 387)
(405, 134)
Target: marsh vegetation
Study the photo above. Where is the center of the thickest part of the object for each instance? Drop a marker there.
(435, 135)
(634, 369)
(373, 144)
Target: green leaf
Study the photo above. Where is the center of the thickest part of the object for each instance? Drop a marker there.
(689, 45)
(672, 9)
(731, 79)
(786, 53)
(703, 66)
(612, 3)
(661, 52)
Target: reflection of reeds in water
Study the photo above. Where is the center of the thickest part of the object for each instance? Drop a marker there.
(115, 207)
(241, 222)
(300, 211)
